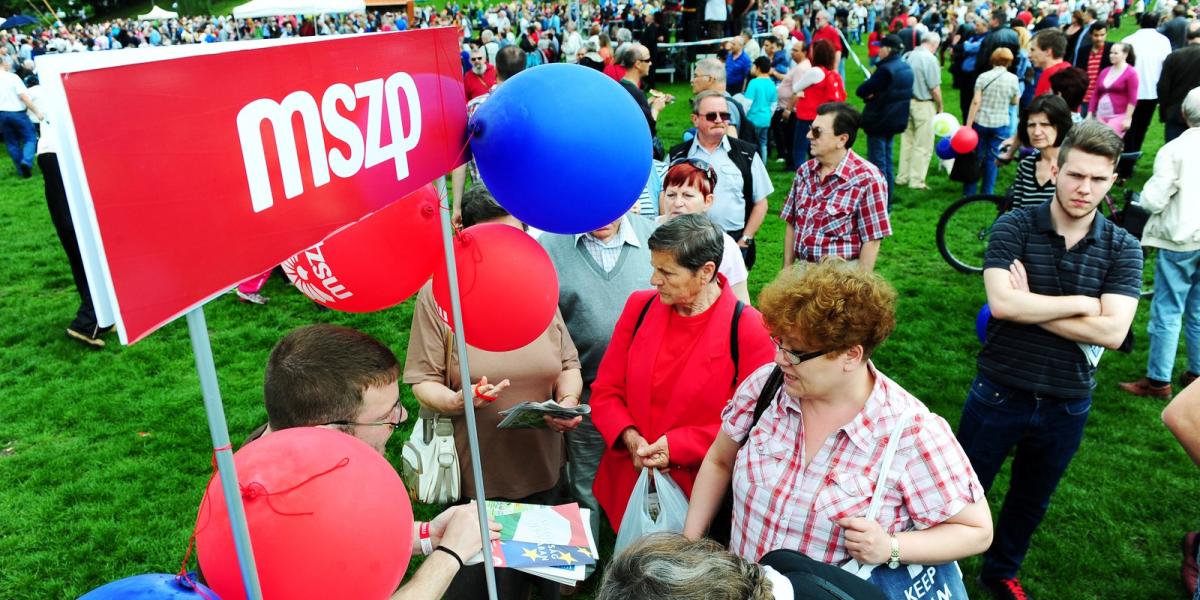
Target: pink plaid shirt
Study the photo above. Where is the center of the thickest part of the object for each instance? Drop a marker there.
(836, 215)
(781, 503)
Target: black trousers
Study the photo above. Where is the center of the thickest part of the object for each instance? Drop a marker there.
(1143, 114)
(60, 215)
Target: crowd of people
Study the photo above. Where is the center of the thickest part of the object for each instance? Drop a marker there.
(768, 412)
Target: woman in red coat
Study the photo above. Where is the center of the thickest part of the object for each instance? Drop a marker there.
(669, 370)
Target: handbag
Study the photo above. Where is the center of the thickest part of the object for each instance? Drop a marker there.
(429, 459)
(663, 510)
(943, 581)
(1132, 217)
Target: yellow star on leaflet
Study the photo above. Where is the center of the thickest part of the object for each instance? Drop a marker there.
(566, 557)
(530, 553)
(586, 552)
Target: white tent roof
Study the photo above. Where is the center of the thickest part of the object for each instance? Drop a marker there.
(158, 13)
(273, 8)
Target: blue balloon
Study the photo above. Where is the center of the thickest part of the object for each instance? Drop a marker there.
(944, 150)
(562, 147)
(981, 323)
(152, 586)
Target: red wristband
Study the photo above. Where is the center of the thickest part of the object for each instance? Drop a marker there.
(426, 541)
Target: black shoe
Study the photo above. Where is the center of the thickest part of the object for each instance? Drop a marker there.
(26, 171)
(1186, 378)
(1004, 589)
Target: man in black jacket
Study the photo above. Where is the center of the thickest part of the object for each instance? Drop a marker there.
(887, 95)
(1180, 73)
(1093, 59)
(1176, 28)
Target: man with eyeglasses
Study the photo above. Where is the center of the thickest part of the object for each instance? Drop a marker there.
(481, 78)
(330, 376)
(838, 202)
(740, 196)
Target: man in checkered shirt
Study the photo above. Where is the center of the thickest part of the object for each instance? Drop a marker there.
(803, 475)
(838, 202)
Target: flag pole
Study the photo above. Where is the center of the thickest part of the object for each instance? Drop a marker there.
(217, 428)
(468, 392)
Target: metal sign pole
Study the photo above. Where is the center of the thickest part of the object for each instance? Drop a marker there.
(468, 392)
(202, 350)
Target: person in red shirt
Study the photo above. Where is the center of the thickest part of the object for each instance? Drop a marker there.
(1046, 53)
(482, 76)
(826, 31)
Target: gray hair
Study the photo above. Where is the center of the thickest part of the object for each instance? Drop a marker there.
(931, 38)
(698, 98)
(624, 35)
(667, 565)
(1191, 108)
(487, 36)
(711, 67)
(692, 240)
(824, 14)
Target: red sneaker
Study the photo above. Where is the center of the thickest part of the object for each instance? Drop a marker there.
(1004, 589)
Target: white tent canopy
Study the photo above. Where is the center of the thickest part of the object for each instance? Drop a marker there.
(273, 8)
(158, 13)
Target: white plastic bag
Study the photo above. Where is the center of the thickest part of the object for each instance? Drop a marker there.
(664, 509)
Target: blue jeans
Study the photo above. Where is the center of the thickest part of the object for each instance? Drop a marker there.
(879, 152)
(763, 137)
(19, 137)
(800, 143)
(1176, 302)
(989, 142)
(1046, 433)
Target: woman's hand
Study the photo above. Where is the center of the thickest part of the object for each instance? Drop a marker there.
(655, 455)
(564, 425)
(866, 541)
(486, 393)
(633, 441)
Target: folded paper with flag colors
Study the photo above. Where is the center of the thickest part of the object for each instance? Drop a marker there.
(553, 542)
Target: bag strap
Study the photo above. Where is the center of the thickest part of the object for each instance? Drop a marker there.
(885, 465)
(733, 338)
(429, 418)
(641, 317)
(765, 396)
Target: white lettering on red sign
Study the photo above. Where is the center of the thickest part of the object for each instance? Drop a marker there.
(365, 147)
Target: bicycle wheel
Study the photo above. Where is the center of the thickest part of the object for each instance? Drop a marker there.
(963, 231)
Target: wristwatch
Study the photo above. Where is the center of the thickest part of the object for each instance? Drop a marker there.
(894, 559)
(747, 238)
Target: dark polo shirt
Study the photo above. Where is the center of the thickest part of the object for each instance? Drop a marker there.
(1107, 261)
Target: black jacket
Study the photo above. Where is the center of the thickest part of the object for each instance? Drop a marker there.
(887, 94)
(1086, 50)
(1180, 73)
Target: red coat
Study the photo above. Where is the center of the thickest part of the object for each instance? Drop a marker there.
(691, 417)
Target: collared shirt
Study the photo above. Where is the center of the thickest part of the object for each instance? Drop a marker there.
(729, 205)
(606, 253)
(837, 214)
(1108, 260)
(780, 502)
(927, 74)
(998, 88)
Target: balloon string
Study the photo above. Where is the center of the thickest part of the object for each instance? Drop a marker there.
(458, 157)
(183, 574)
(255, 489)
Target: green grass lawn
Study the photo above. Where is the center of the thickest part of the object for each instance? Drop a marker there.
(104, 455)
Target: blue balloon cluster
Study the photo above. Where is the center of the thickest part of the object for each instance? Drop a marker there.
(562, 147)
(943, 149)
(151, 586)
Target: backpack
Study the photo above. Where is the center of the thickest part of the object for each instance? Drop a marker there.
(733, 330)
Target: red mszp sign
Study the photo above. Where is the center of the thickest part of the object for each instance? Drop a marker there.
(203, 171)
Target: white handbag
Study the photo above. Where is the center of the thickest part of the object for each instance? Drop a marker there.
(429, 459)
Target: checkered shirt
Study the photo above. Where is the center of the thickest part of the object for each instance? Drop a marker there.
(472, 106)
(836, 215)
(607, 253)
(781, 503)
(998, 87)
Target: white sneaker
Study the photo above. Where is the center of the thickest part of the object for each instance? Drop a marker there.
(253, 298)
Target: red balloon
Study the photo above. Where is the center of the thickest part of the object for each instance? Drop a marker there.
(377, 262)
(507, 284)
(328, 518)
(964, 140)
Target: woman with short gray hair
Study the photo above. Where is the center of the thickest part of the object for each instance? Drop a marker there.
(677, 354)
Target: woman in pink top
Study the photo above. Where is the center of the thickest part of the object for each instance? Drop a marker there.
(1117, 90)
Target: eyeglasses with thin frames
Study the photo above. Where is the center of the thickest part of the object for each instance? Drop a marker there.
(793, 357)
(396, 408)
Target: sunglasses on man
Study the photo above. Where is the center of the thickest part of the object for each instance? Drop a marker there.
(712, 117)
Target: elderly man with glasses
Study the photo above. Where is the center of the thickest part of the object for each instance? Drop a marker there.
(481, 78)
(838, 202)
(740, 198)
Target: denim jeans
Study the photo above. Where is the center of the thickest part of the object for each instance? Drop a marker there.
(989, 143)
(1176, 302)
(800, 143)
(19, 136)
(764, 136)
(879, 152)
(1046, 433)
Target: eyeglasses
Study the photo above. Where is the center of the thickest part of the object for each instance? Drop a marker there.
(700, 165)
(476, 58)
(793, 357)
(816, 132)
(394, 425)
(713, 117)
(645, 60)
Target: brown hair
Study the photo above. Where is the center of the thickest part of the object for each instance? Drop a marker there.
(317, 374)
(831, 303)
(1002, 57)
(1092, 137)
